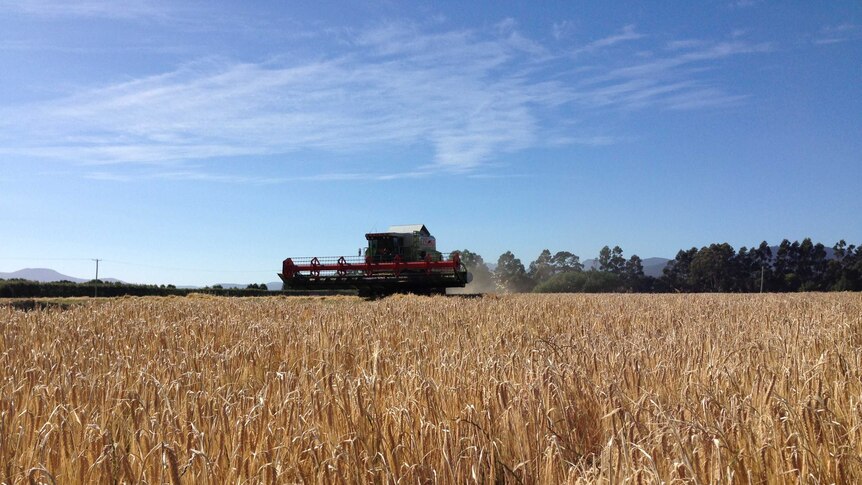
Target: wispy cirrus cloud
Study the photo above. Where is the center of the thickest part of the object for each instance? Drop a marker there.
(561, 29)
(469, 97)
(745, 3)
(628, 33)
(186, 172)
(225, 109)
(130, 9)
(835, 34)
(671, 81)
(397, 87)
(698, 55)
(181, 16)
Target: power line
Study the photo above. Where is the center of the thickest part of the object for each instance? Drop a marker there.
(194, 270)
(275, 268)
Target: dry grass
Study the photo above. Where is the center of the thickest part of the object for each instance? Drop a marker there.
(532, 389)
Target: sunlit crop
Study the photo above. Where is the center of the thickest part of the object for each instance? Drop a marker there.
(521, 388)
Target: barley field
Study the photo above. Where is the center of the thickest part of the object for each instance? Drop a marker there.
(508, 389)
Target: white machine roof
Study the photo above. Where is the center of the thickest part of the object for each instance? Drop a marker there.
(410, 228)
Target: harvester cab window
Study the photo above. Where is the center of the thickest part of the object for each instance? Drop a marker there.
(394, 246)
(385, 248)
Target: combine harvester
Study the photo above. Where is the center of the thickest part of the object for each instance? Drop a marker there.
(403, 260)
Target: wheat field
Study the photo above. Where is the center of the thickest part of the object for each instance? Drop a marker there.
(509, 389)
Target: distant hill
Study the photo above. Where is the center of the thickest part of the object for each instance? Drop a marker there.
(47, 275)
(654, 266)
(43, 275)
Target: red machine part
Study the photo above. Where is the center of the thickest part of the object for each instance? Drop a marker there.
(369, 267)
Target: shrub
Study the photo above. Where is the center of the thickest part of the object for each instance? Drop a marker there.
(581, 282)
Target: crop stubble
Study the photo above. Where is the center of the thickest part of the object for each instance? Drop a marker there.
(521, 388)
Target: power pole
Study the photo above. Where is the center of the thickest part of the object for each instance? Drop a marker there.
(96, 282)
(761, 278)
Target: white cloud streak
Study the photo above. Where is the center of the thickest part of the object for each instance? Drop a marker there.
(836, 34)
(745, 3)
(128, 9)
(468, 97)
(667, 81)
(561, 29)
(183, 172)
(627, 34)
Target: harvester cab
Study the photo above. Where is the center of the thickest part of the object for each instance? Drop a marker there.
(410, 243)
(402, 260)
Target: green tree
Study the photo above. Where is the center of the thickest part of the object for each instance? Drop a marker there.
(676, 273)
(844, 271)
(581, 282)
(542, 268)
(633, 273)
(745, 269)
(510, 274)
(835, 265)
(812, 266)
(612, 260)
(565, 261)
(786, 262)
(840, 250)
(713, 268)
(851, 270)
(761, 264)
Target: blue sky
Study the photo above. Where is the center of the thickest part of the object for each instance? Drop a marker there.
(204, 142)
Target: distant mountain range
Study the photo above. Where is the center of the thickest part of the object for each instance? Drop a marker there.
(654, 266)
(46, 275)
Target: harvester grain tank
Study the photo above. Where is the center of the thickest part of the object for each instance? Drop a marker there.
(403, 259)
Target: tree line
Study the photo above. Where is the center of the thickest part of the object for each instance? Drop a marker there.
(19, 288)
(790, 266)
